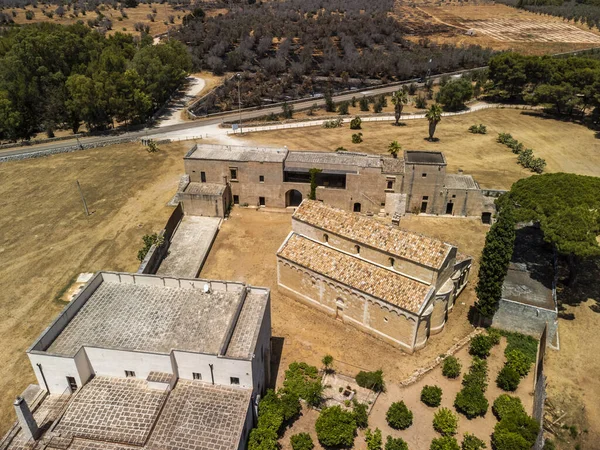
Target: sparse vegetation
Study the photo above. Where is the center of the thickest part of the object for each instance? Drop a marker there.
(149, 240)
(478, 129)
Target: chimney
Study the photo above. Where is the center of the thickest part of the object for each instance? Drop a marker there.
(25, 418)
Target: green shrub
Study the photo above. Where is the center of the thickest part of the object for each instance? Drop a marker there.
(548, 445)
(471, 402)
(343, 108)
(518, 361)
(357, 138)
(445, 422)
(494, 335)
(472, 442)
(451, 367)
(263, 439)
(477, 375)
(504, 138)
(373, 439)
(336, 427)
(360, 414)
(444, 443)
(431, 395)
(395, 444)
(364, 104)
(506, 405)
(538, 165)
(399, 416)
(335, 123)
(371, 380)
(302, 441)
(478, 129)
(355, 124)
(515, 432)
(420, 102)
(526, 344)
(508, 379)
(481, 346)
(149, 240)
(303, 381)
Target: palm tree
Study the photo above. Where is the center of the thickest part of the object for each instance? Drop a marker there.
(434, 115)
(399, 99)
(394, 148)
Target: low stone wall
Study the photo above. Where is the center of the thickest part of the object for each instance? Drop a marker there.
(40, 141)
(526, 319)
(70, 148)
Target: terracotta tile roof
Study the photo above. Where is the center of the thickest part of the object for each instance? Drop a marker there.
(424, 250)
(357, 273)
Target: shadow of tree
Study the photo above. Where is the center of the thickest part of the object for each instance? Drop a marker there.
(587, 287)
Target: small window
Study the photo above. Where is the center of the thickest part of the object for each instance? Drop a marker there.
(357, 249)
(425, 197)
(203, 177)
(236, 199)
(261, 201)
(234, 380)
(233, 173)
(129, 373)
(325, 238)
(390, 184)
(382, 203)
(261, 178)
(424, 175)
(385, 319)
(454, 196)
(196, 376)
(392, 262)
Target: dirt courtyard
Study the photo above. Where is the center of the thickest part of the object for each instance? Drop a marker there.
(566, 146)
(245, 250)
(46, 239)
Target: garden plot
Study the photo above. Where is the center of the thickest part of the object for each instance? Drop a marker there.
(341, 390)
(508, 30)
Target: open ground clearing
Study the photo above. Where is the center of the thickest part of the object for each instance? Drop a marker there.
(419, 435)
(245, 251)
(566, 146)
(496, 26)
(47, 240)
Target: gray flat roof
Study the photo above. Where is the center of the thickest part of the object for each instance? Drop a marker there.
(237, 153)
(460, 182)
(155, 314)
(424, 157)
(195, 188)
(334, 158)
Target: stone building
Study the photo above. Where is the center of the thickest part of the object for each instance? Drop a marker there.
(148, 362)
(396, 285)
(358, 182)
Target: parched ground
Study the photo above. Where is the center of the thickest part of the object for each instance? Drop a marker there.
(566, 146)
(420, 434)
(47, 240)
(245, 250)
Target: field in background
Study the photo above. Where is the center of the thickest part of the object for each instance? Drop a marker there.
(566, 146)
(47, 240)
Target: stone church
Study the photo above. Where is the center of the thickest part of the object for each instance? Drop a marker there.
(394, 284)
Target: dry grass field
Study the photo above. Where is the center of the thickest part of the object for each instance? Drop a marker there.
(566, 146)
(496, 26)
(47, 240)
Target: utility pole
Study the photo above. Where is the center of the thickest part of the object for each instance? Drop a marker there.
(87, 212)
(239, 76)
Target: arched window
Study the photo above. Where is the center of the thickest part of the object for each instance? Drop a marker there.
(325, 238)
(357, 249)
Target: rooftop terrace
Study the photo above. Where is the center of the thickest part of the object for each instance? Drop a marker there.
(423, 157)
(156, 314)
(237, 153)
(424, 250)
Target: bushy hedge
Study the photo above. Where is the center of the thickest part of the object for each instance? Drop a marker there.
(336, 427)
(445, 422)
(481, 345)
(302, 441)
(395, 444)
(303, 380)
(471, 400)
(515, 431)
(274, 410)
(399, 416)
(335, 123)
(371, 380)
(361, 415)
(525, 158)
(519, 362)
(444, 443)
(431, 395)
(508, 379)
(451, 367)
(355, 124)
(506, 405)
(478, 129)
(472, 442)
(520, 354)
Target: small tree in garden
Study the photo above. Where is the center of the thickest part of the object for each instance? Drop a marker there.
(361, 416)
(327, 363)
(508, 379)
(373, 439)
(364, 103)
(451, 367)
(444, 443)
(399, 99)
(399, 416)
(431, 395)
(481, 345)
(445, 422)
(472, 442)
(357, 138)
(329, 103)
(371, 380)
(506, 405)
(395, 444)
(394, 148)
(518, 361)
(302, 441)
(355, 124)
(336, 427)
(434, 116)
(343, 108)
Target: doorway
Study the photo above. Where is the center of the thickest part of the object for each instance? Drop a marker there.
(293, 198)
(449, 207)
(357, 207)
(423, 207)
(72, 384)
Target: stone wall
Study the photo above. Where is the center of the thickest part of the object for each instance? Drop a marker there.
(526, 319)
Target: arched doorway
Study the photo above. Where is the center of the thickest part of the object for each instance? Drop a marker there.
(357, 207)
(293, 198)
